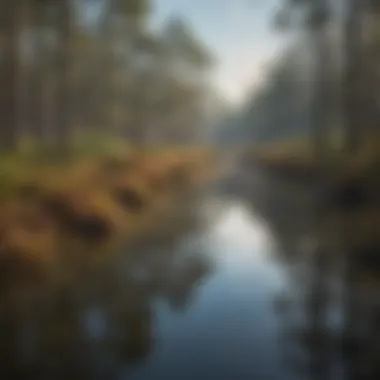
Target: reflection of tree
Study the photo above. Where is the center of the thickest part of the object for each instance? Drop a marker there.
(361, 308)
(312, 333)
(102, 321)
(286, 208)
(290, 214)
(23, 312)
(176, 289)
(335, 278)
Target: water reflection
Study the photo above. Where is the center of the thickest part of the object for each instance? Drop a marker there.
(102, 321)
(229, 331)
(191, 303)
(253, 283)
(329, 314)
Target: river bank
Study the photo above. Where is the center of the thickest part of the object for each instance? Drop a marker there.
(50, 211)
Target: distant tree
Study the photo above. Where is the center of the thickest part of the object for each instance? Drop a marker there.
(280, 109)
(371, 90)
(354, 75)
(65, 14)
(188, 61)
(11, 26)
(315, 16)
(78, 67)
(42, 73)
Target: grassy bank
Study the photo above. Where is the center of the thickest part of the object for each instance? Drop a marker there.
(350, 191)
(297, 160)
(56, 212)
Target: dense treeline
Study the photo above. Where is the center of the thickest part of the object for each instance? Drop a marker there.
(350, 183)
(326, 82)
(73, 68)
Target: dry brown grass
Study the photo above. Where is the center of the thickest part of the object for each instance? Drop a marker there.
(96, 201)
(28, 241)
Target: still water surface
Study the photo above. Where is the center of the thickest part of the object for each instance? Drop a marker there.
(229, 330)
(205, 301)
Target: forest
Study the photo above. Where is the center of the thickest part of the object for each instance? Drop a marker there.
(127, 180)
(333, 56)
(92, 89)
(317, 112)
(101, 122)
(85, 70)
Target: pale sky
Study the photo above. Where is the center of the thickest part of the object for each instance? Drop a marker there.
(240, 34)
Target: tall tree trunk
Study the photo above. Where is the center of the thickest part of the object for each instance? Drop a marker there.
(9, 72)
(371, 64)
(37, 103)
(322, 81)
(63, 121)
(353, 97)
(23, 69)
